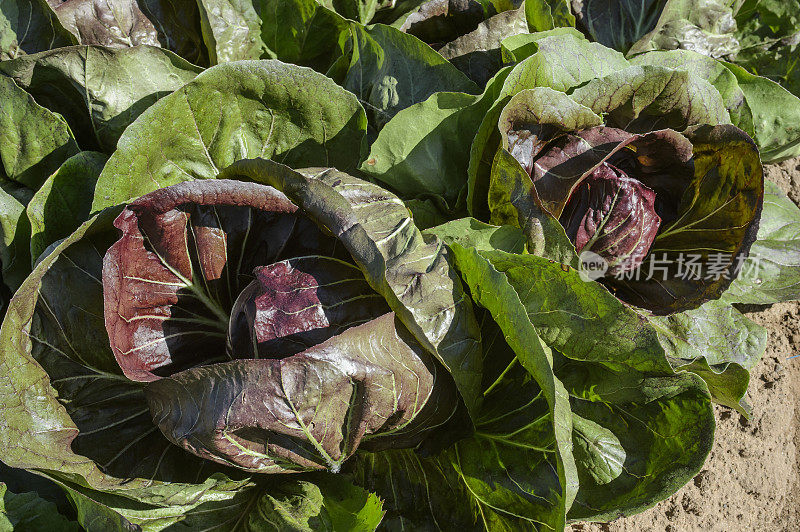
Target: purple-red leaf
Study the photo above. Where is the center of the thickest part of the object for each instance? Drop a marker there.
(612, 215)
(311, 410)
(185, 253)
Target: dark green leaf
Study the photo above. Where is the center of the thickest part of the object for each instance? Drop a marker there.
(14, 233)
(718, 343)
(469, 232)
(28, 511)
(772, 271)
(413, 153)
(618, 24)
(62, 204)
(230, 112)
(646, 437)
(100, 91)
(33, 140)
(329, 504)
(767, 31)
(543, 15)
(30, 26)
(580, 319)
(511, 202)
(420, 493)
(524, 490)
(390, 70)
(440, 21)
(427, 213)
(302, 32)
(358, 10)
(477, 54)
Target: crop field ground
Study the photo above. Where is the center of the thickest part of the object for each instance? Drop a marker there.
(751, 480)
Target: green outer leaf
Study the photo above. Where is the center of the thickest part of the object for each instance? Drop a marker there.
(231, 112)
(548, 66)
(413, 152)
(718, 343)
(327, 503)
(62, 204)
(33, 140)
(14, 232)
(26, 386)
(359, 10)
(390, 70)
(771, 273)
(511, 202)
(420, 493)
(776, 115)
(692, 24)
(302, 32)
(28, 511)
(93, 514)
(477, 53)
(469, 232)
(597, 450)
(766, 30)
(515, 48)
(491, 289)
(426, 213)
(663, 421)
(231, 30)
(543, 15)
(727, 383)
(715, 331)
(665, 425)
(100, 91)
(411, 272)
(348, 506)
(708, 69)
(543, 105)
(107, 511)
(21, 481)
(761, 108)
(640, 98)
(580, 319)
(30, 26)
(43, 442)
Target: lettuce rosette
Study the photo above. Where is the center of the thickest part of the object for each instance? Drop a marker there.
(643, 175)
(227, 315)
(252, 337)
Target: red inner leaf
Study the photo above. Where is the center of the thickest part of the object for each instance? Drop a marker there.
(612, 215)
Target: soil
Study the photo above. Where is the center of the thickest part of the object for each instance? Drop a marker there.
(751, 480)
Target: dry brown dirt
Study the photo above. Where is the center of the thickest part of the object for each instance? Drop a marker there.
(751, 480)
